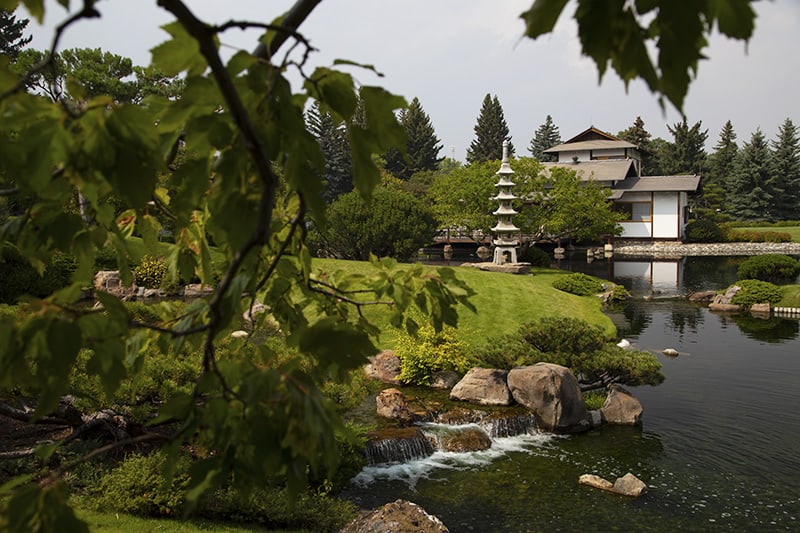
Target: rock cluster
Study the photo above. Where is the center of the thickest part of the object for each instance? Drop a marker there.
(676, 249)
(394, 517)
(627, 485)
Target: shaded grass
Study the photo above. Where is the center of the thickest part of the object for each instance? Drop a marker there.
(791, 296)
(503, 302)
(100, 521)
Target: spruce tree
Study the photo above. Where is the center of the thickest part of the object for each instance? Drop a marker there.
(422, 145)
(332, 139)
(638, 135)
(686, 155)
(546, 136)
(752, 192)
(716, 179)
(490, 132)
(11, 39)
(786, 171)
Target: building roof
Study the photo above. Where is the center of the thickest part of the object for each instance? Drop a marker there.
(656, 184)
(592, 134)
(603, 170)
(588, 145)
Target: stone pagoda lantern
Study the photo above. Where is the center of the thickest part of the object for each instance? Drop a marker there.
(506, 232)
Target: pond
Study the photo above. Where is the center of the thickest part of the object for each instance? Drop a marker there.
(719, 448)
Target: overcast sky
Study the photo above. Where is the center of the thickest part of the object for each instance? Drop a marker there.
(451, 53)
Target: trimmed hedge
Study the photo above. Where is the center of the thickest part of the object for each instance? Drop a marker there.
(769, 267)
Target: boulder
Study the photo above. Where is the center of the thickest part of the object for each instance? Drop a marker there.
(466, 439)
(672, 352)
(391, 403)
(400, 515)
(253, 311)
(552, 393)
(384, 367)
(702, 296)
(110, 282)
(484, 386)
(763, 310)
(630, 485)
(621, 407)
(445, 379)
(597, 482)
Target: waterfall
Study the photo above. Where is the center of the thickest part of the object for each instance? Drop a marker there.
(398, 446)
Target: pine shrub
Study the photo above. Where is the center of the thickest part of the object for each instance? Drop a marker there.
(769, 267)
(578, 283)
(756, 292)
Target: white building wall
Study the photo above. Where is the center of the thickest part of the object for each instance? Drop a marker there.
(636, 230)
(666, 215)
(568, 157)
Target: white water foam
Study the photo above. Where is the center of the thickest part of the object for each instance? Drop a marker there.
(411, 472)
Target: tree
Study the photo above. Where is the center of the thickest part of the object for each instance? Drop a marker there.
(546, 136)
(393, 224)
(251, 181)
(490, 132)
(712, 201)
(332, 139)
(686, 155)
(11, 38)
(422, 146)
(751, 195)
(637, 134)
(786, 171)
(562, 205)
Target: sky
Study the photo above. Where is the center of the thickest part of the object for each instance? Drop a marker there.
(451, 53)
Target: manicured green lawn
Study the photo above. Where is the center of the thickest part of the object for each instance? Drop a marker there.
(127, 523)
(794, 231)
(503, 302)
(791, 296)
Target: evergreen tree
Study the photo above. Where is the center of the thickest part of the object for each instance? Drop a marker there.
(752, 190)
(546, 136)
(11, 39)
(786, 171)
(716, 180)
(686, 155)
(638, 135)
(422, 145)
(332, 139)
(490, 132)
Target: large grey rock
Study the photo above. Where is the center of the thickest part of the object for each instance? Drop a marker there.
(552, 393)
(384, 367)
(484, 386)
(445, 379)
(465, 439)
(396, 517)
(621, 407)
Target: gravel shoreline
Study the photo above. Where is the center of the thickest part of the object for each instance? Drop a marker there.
(673, 249)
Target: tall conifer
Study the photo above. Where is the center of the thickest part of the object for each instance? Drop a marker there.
(422, 145)
(490, 132)
(332, 139)
(11, 39)
(786, 171)
(546, 136)
(752, 192)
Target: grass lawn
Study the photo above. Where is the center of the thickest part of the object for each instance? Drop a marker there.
(791, 296)
(121, 522)
(503, 302)
(794, 231)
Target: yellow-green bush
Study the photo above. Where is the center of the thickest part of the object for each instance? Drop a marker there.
(150, 272)
(428, 352)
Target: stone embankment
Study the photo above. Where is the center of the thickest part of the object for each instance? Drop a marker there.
(674, 249)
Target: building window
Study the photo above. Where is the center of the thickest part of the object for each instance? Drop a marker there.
(636, 211)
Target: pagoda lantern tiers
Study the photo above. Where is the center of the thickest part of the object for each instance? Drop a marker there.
(506, 232)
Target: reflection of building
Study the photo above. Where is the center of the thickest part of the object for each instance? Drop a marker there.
(658, 276)
(657, 206)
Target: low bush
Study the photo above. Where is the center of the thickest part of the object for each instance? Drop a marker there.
(704, 231)
(536, 257)
(741, 235)
(770, 267)
(618, 294)
(428, 352)
(19, 278)
(150, 272)
(756, 292)
(578, 283)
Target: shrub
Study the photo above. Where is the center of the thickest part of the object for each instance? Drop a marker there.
(536, 257)
(137, 486)
(393, 224)
(756, 292)
(18, 277)
(619, 293)
(704, 231)
(747, 235)
(150, 272)
(769, 267)
(578, 283)
(594, 399)
(428, 352)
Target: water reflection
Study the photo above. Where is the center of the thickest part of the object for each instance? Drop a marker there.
(773, 330)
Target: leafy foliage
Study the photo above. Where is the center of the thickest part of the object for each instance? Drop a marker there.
(769, 267)
(490, 132)
(755, 292)
(582, 348)
(393, 224)
(150, 272)
(535, 256)
(426, 351)
(704, 230)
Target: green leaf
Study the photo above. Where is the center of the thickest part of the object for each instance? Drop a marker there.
(337, 344)
(177, 407)
(735, 18)
(541, 18)
(179, 54)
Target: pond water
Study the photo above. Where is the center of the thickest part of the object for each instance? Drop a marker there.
(719, 448)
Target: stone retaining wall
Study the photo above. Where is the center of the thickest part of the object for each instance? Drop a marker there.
(674, 249)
